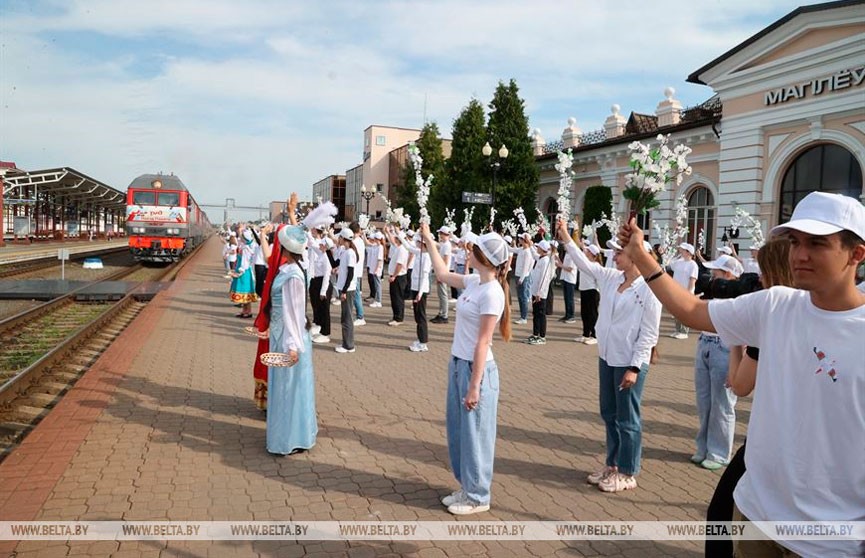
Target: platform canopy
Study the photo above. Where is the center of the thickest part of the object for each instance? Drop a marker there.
(65, 183)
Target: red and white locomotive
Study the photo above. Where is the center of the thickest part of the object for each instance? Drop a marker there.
(163, 221)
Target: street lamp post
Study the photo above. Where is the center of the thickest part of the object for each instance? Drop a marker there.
(487, 150)
(366, 195)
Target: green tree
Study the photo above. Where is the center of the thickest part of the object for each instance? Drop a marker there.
(596, 202)
(518, 175)
(465, 168)
(429, 145)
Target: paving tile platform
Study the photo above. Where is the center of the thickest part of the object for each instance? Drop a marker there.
(163, 427)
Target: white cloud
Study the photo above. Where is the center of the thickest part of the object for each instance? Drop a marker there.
(271, 96)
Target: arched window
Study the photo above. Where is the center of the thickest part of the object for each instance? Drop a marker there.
(551, 211)
(826, 168)
(701, 217)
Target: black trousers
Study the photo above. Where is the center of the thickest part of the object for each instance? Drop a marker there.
(721, 506)
(539, 318)
(589, 311)
(371, 283)
(420, 316)
(320, 308)
(346, 319)
(397, 298)
(260, 272)
(548, 309)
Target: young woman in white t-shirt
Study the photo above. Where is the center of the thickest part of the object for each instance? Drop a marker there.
(628, 323)
(473, 377)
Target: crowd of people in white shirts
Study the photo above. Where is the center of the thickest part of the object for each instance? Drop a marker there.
(620, 306)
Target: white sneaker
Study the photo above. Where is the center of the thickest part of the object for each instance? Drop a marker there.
(375, 304)
(521, 321)
(570, 321)
(673, 335)
(394, 323)
(617, 482)
(341, 349)
(453, 498)
(466, 507)
(580, 339)
(360, 322)
(335, 302)
(417, 347)
(600, 475)
(590, 341)
(680, 336)
(452, 301)
(321, 339)
(315, 330)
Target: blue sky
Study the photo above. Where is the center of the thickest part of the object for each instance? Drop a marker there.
(255, 99)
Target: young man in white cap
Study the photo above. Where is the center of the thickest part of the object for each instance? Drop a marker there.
(716, 402)
(685, 272)
(805, 436)
(444, 248)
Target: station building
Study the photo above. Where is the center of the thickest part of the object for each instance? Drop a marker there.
(785, 116)
(57, 204)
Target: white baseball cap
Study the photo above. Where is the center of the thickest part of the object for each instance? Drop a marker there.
(726, 250)
(346, 234)
(726, 263)
(613, 245)
(328, 243)
(687, 247)
(494, 248)
(593, 249)
(444, 230)
(508, 238)
(470, 238)
(543, 245)
(821, 214)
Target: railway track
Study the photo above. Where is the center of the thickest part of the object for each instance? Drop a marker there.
(13, 269)
(45, 350)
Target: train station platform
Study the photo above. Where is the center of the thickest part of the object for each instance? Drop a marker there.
(163, 427)
(16, 253)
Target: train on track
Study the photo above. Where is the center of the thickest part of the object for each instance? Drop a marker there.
(163, 221)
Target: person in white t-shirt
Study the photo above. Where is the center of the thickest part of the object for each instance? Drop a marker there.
(542, 275)
(807, 426)
(628, 323)
(444, 248)
(589, 299)
(359, 270)
(568, 277)
(396, 274)
(523, 274)
(345, 287)
(685, 272)
(750, 264)
(420, 285)
(473, 377)
(716, 402)
(375, 267)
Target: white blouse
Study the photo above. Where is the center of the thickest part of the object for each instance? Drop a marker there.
(293, 310)
(628, 322)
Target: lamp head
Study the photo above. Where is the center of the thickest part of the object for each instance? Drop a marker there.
(487, 150)
(503, 152)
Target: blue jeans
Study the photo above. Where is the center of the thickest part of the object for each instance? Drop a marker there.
(358, 301)
(472, 434)
(716, 403)
(459, 269)
(569, 289)
(524, 293)
(621, 413)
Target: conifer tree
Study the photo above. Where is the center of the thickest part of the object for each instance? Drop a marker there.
(465, 167)
(518, 175)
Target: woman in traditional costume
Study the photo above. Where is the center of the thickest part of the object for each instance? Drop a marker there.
(291, 418)
(242, 290)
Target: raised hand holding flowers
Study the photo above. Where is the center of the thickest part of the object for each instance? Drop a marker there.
(423, 186)
(653, 170)
(566, 161)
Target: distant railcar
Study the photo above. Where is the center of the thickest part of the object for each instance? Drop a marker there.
(163, 221)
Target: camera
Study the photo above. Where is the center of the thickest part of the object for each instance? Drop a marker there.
(710, 288)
